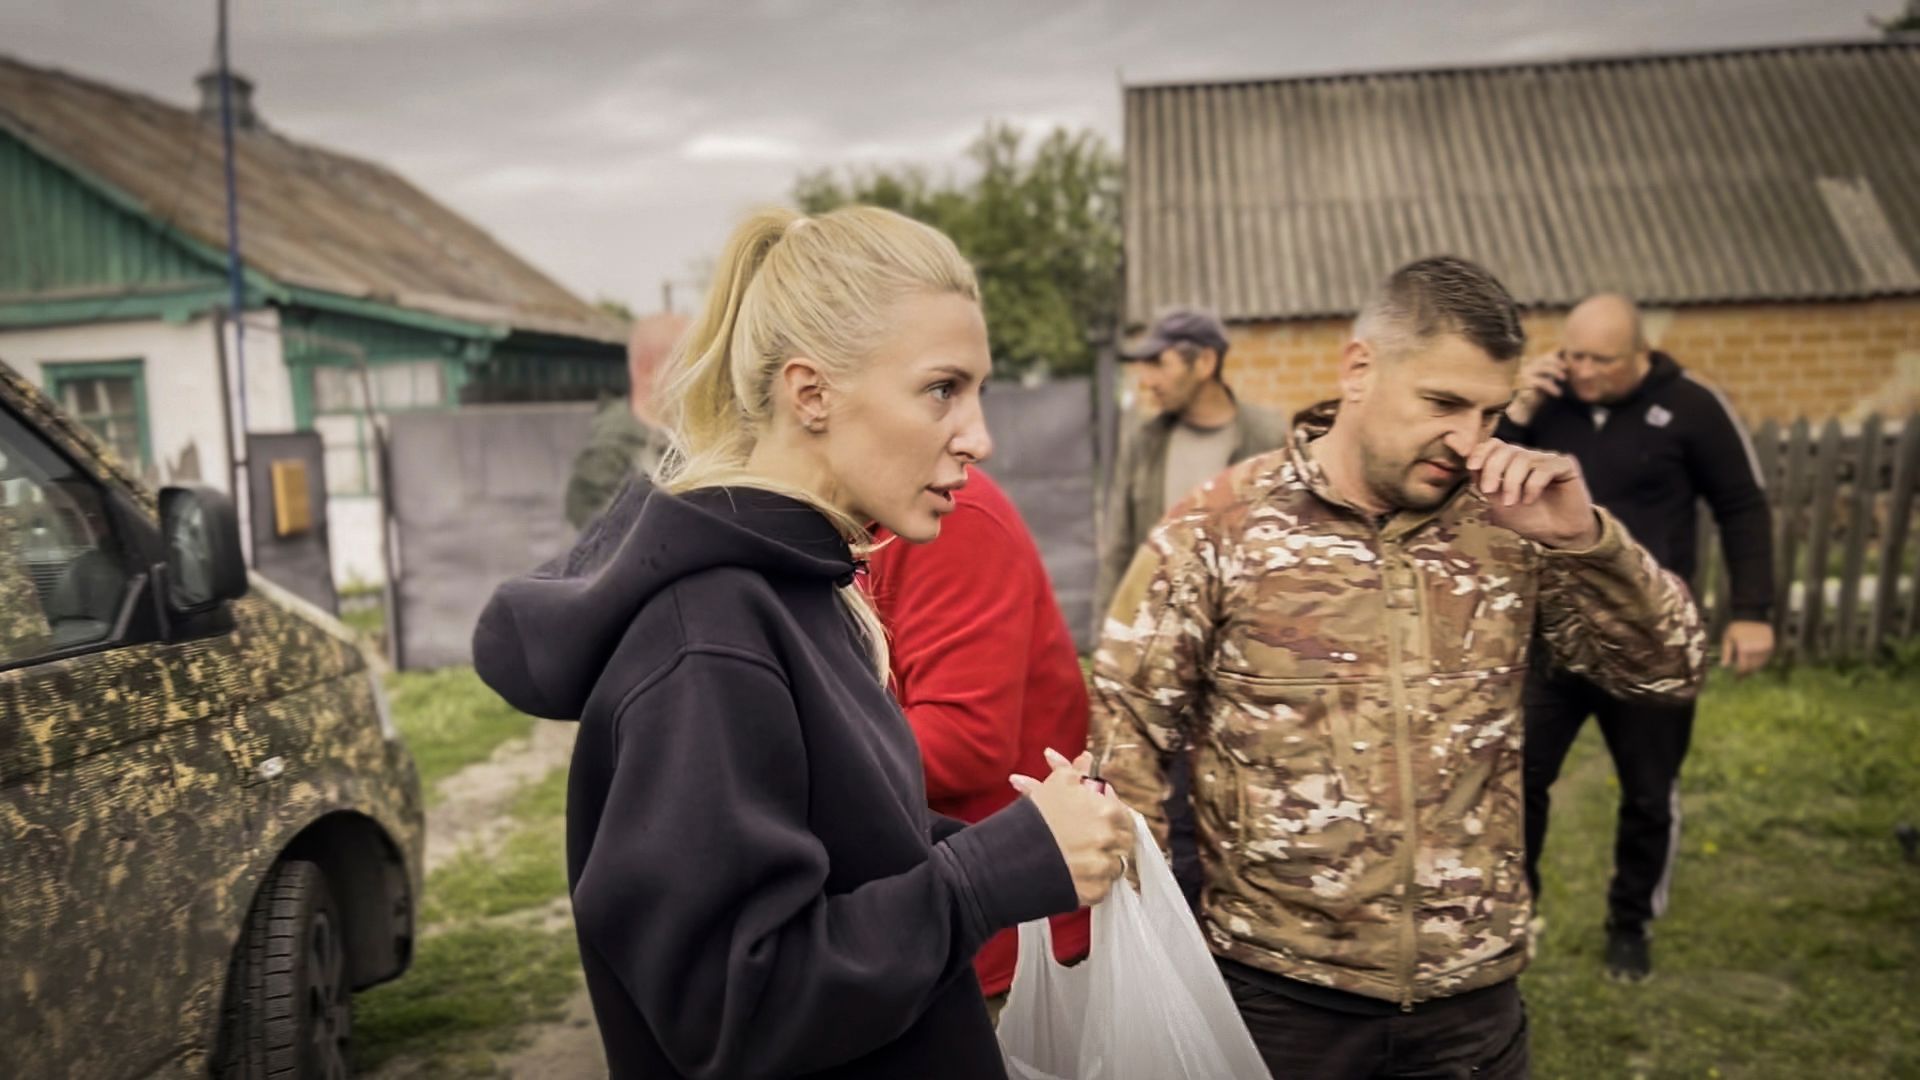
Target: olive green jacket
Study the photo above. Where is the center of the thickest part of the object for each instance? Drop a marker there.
(617, 444)
(1138, 498)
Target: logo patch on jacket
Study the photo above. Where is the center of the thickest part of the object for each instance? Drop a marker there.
(1658, 416)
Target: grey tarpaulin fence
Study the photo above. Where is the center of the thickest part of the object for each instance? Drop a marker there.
(477, 498)
(1043, 455)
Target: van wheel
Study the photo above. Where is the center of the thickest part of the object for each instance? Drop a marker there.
(289, 1007)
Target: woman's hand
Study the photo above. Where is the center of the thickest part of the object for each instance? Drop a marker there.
(1094, 831)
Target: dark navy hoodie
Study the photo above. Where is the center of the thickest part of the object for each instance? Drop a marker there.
(758, 887)
(1652, 456)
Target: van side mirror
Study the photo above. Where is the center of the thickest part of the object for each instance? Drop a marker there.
(205, 564)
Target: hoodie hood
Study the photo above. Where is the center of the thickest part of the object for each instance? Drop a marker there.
(544, 639)
(1661, 371)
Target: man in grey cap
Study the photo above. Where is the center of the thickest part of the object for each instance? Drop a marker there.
(1199, 429)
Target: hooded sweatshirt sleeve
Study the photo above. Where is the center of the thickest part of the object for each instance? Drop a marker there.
(704, 889)
(1725, 469)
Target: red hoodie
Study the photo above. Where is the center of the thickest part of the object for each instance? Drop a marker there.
(986, 671)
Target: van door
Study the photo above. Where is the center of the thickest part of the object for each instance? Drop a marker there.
(101, 854)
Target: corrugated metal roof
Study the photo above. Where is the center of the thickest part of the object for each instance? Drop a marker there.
(308, 217)
(1771, 174)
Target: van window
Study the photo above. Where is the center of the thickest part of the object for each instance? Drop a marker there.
(62, 576)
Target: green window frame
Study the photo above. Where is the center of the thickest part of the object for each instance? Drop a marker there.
(328, 399)
(83, 388)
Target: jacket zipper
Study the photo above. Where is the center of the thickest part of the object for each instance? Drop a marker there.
(1403, 744)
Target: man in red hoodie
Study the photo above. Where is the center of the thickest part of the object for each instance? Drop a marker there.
(986, 671)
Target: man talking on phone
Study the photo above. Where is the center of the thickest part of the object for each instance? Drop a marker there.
(1335, 635)
(1652, 442)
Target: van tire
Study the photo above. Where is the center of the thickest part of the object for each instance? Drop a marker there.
(289, 1012)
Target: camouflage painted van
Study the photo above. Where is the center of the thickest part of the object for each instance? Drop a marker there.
(210, 836)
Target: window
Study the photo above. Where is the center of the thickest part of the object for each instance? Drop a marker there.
(62, 577)
(340, 415)
(110, 398)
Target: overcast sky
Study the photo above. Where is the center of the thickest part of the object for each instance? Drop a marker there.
(612, 142)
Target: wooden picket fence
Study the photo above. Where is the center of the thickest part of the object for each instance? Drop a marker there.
(1845, 548)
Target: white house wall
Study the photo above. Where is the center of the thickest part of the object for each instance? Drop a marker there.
(180, 369)
(353, 533)
(269, 383)
(353, 522)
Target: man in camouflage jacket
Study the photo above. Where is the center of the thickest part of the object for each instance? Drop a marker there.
(1336, 635)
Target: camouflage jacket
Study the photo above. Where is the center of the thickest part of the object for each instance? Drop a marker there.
(1349, 694)
(617, 445)
(1138, 498)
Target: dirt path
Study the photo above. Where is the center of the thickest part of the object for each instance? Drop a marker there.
(472, 811)
(567, 1049)
(472, 815)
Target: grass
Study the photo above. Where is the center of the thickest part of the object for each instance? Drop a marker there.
(367, 621)
(527, 871)
(363, 609)
(1791, 950)
(468, 992)
(1793, 940)
(477, 977)
(450, 720)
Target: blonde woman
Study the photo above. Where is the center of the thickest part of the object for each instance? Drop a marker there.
(758, 887)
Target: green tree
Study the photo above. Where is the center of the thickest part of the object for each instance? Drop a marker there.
(1907, 22)
(1042, 229)
(616, 308)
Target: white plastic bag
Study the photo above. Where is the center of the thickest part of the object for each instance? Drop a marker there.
(1147, 1004)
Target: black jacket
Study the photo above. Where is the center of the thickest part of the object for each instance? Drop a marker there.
(758, 887)
(1650, 458)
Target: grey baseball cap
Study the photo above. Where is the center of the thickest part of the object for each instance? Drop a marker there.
(1188, 326)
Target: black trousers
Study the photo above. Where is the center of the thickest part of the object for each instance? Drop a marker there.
(1481, 1035)
(1648, 743)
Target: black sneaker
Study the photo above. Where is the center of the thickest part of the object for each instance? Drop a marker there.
(1629, 957)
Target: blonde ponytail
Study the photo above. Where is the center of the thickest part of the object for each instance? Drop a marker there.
(788, 285)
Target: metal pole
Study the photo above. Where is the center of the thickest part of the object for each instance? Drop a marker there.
(237, 478)
(237, 303)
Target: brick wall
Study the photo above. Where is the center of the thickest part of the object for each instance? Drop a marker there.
(1774, 362)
